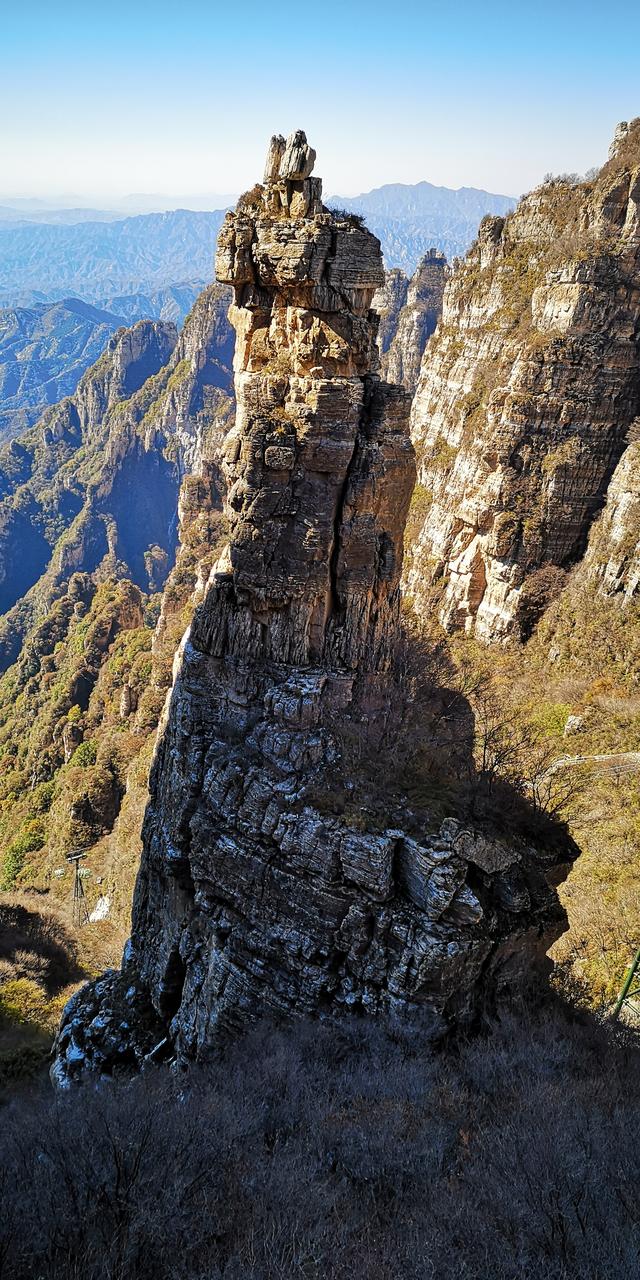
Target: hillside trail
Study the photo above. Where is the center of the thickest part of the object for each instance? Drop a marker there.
(626, 761)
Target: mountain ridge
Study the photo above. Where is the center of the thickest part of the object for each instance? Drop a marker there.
(144, 252)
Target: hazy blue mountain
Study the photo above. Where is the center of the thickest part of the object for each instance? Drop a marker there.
(171, 303)
(13, 209)
(409, 220)
(44, 350)
(102, 261)
(47, 343)
(91, 260)
(17, 216)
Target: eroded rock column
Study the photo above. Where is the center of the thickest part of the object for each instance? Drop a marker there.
(251, 900)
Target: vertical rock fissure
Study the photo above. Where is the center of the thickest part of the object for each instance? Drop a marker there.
(337, 528)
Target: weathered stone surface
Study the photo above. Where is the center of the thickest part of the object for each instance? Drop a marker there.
(297, 159)
(251, 900)
(388, 301)
(274, 156)
(526, 396)
(71, 738)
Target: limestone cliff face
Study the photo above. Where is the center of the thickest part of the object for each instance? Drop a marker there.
(130, 357)
(250, 899)
(416, 321)
(526, 395)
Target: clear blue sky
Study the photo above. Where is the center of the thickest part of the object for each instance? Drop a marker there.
(114, 97)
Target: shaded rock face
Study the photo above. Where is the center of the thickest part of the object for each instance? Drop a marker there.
(612, 559)
(526, 396)
(250, 901)
(416, 322)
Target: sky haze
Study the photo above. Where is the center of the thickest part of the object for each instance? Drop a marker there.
(181, 99)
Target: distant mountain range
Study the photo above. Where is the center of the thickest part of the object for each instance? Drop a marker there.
(100, 259)
(75, 209)
(44, 350)
(19, 216)
(410, 220)
(45, 347)
(93, 260)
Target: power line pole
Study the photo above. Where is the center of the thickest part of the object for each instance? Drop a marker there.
(79, 908)
(628, 990)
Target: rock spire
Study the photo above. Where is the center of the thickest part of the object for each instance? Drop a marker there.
(251, 898)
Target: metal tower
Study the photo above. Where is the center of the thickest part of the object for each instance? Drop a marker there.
(629, 991)
(80, 912)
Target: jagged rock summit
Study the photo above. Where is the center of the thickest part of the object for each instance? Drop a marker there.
(252, 899)
(291, 160)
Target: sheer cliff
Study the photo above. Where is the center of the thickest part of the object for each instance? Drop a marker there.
(594, 624)
(526, 397)
(388, 301)
(253, 897)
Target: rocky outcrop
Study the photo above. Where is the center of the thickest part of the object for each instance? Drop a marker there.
(526, 396)
(251, 898)
(130, 357)
(416, 321)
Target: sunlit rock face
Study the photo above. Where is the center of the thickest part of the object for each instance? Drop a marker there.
(526, 396)
(251, 899)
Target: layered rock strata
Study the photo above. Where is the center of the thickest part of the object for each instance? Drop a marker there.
(251, 900)
(526, 395)
(612, 559)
